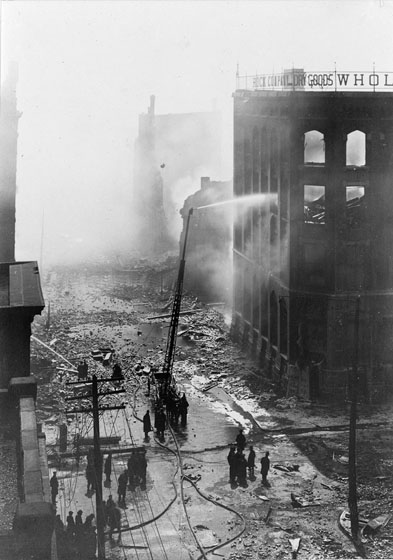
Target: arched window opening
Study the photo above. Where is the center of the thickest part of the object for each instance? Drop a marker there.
(314, 147)
(356, 148)
(273, 319)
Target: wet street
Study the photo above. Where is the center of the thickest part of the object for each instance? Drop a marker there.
(90, 311)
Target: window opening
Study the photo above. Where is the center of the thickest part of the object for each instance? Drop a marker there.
(356, 148)
(273, 319)
(354, 199)
(314, 204)
(314, 147)
(283, 327)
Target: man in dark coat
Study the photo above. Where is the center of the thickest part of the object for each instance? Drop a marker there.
(251, 461)
(70, 524)
(132, 471)
(183, 409)
(231, 461)
(265, 466)
(54, 487)
(117, 374)
(78, 520)
(110, 504)
(122, 488)
(79, 531)
(160, 422)
(114, 520)
(146, 424)
(242, 470)
(240, 440)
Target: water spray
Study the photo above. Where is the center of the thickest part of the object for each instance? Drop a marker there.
(261, 198)
(54, 351)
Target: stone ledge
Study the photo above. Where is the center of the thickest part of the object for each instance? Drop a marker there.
(23, 387)
(31, 516)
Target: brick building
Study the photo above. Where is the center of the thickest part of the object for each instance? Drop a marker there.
(319, 238)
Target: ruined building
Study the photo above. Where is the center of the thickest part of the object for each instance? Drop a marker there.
(20, 289)
(319, 238)
(208, 255)
(171, 152)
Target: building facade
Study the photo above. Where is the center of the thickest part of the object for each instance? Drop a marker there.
(318, 239)
(208, 254)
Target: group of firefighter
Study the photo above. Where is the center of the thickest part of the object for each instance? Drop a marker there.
(78, 539)
(239, 464)
(176, 407)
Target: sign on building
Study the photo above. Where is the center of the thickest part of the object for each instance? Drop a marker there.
(298, 79)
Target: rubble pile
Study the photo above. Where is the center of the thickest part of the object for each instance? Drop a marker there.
(91, 315)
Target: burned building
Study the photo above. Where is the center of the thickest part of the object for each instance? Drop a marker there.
(209, 244)
(171, 152)
(318, 242)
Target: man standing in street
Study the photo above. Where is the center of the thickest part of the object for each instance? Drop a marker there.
(240, 441)
(265, 466)
(54, 487)
(183, 408)
(251, 462)
(146, 425)
(122, 488)
(231, 461)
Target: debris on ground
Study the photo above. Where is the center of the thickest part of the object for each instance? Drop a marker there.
(295, 543)
(374, 525)
(299, 502)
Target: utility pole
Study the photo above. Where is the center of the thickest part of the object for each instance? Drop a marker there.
(95, 409)
(352, 487)
(98, 471)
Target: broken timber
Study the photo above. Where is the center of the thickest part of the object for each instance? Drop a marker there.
(169, 315)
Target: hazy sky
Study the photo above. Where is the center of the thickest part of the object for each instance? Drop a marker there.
(87, 69)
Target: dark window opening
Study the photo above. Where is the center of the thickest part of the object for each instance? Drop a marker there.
(274, 162)
(283, 327)
(247, 295)
(273, 319)
(264, 159)
(264, 311)
(247, 166)
(314, 265)
(354, 199)
(256, 303)
(273, 229)
(314, 204)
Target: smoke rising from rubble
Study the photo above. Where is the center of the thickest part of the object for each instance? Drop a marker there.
(86, 70)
